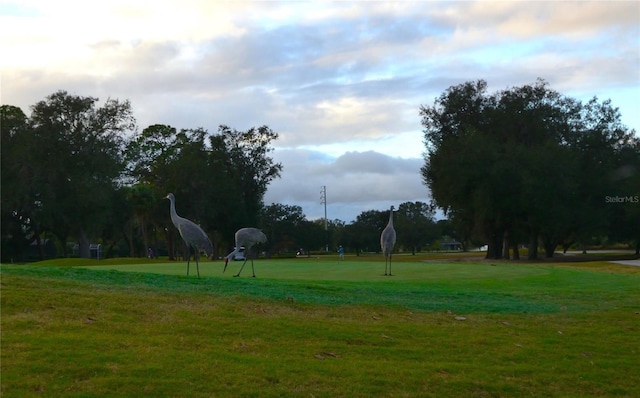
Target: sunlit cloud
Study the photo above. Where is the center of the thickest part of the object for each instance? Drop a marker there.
(339, 81)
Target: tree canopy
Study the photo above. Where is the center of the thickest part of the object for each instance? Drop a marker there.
(522, 165)
(78, 170)
(526, 164)
(74, 166)
(70, 160)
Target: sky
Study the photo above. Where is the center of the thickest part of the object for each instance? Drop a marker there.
(340, 82)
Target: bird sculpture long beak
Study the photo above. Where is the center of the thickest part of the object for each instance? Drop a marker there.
(226, 261)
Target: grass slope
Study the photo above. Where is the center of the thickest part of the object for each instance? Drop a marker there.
(320, 328)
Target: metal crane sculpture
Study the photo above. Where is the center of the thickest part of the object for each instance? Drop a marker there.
(246, 237)
(387, 241)
(192, 235)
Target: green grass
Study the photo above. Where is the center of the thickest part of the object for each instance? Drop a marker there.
(320, 327)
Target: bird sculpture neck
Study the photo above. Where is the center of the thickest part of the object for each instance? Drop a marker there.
(172, 210)
(391, 217)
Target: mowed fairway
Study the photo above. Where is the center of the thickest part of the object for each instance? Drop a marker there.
(319, 327)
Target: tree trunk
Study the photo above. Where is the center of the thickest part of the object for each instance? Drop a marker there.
(494, 247)
(145, 237)
(549, 248)
(565, 247)
(63, 244)
(62, 238)
(129, 236)
(550, 243)
(170, 246)
(516, 252)
(83, 242)
(505, 245)
(39, 243)
(533, 245)
(108, 252)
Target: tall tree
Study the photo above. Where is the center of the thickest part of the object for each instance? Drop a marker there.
(363, 234)
(19, 207)
(623, 202)
(149, 154)
(461, 167)
(142, 201)
(335, 232)
(250, 165)
(522, 164)
(73, 163)
(281, 224)
(219, 179)
(599, 144)
(79, 161)
(416, 221)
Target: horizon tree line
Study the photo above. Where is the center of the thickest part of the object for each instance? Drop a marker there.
(522, 166)
(76, 171)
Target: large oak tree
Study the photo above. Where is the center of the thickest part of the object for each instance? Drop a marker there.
(525, 164)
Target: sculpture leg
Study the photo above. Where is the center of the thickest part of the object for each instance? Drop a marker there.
(245, 261)
(387, 263)
(196, 255)
(188, 256)
(253, 270)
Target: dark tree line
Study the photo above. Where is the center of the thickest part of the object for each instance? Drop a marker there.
(60, 167)
(75, 170)
(289, 231)
(219, 180)
(78, 171)
(528, 165)
(414, 222)
(524, 165)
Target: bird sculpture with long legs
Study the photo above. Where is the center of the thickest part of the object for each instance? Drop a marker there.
(387, 241)
(192, 235)
(246, 237)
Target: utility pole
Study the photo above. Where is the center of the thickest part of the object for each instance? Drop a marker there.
(323, 200)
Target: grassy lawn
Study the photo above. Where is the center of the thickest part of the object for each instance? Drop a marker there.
(318, 327)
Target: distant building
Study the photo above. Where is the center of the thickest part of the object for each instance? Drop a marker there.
(449, 244)
(95, 250)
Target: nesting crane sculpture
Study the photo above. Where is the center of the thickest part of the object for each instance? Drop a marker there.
(387, 241)
(246, 237)
(192, 235)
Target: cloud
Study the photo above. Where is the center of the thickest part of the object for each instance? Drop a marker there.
(341, 82)
(329, 66)
(355, 182)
